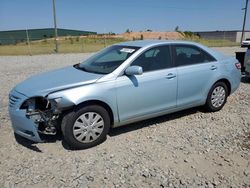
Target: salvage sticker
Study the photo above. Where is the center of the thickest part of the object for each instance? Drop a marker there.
(127, 50)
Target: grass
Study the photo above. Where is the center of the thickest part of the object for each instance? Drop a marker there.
(208, 42)
(80, 45)
(215, 43)
(66, 45)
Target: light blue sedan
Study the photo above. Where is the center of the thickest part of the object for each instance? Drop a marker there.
(124, 83)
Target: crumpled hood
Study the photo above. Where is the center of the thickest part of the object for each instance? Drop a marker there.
(45, 83)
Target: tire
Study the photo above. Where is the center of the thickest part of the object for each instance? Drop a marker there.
(85, 127)
(217, 97)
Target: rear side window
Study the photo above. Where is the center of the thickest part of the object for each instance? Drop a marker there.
(188, 55)
(156, 58)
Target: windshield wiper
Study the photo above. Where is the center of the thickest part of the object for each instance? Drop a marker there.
(77, 66)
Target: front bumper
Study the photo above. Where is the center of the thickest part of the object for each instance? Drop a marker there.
(22, 125)
(245, 44)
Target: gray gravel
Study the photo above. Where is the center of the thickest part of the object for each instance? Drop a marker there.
(185, 149)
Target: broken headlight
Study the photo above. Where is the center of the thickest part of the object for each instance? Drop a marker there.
(37, 103)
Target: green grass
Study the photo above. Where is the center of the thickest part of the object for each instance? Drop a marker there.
(210, 43)
(216, 43)
(66, 45)
(80, 45)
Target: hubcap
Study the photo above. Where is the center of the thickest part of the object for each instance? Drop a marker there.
(218, 96)
(88, 127)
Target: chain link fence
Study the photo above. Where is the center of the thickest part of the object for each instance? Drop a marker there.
(84, 44)
(69, 44)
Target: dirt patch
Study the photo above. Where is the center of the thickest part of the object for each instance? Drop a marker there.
(152, 35)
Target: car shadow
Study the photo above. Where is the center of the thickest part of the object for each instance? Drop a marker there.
(32, 145)
(150, 122)
(27, 143)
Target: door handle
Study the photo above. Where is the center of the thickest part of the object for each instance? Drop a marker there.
(213, 67)
(170, 76)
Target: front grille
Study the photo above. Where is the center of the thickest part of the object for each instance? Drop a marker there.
(13, 100)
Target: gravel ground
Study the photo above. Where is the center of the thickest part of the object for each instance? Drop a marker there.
(186, 149)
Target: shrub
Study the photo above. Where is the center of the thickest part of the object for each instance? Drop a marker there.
(71, 40)
(142, 37)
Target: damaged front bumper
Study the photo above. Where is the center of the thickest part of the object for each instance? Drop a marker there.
(22, 125)
(32, 117)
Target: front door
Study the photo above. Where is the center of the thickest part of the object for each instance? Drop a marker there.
(152, 92)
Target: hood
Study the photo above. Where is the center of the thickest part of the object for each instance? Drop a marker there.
(45, 83)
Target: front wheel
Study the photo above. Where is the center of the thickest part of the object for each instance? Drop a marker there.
(217, 97)
(86, 127)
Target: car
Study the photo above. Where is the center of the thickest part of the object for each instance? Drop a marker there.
(247, 62)
(122, 84)
(245, 43)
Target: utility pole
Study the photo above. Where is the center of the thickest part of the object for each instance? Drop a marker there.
(55, 26)
(105, 42)
(28, 40)
(244, 22)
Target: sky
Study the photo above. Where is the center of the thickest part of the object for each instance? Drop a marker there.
(119, 15)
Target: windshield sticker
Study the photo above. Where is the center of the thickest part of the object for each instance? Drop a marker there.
(127, 50)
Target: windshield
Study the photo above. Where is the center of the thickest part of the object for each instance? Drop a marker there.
(107, 60)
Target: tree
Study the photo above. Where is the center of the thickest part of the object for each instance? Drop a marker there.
(128, 31)
(176, 28)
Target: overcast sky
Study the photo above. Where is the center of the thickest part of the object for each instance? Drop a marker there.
(119, 15)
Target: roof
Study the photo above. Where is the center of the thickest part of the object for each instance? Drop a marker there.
(44, 29)
(149, 43)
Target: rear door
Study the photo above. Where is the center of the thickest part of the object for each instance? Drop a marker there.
(195, 70)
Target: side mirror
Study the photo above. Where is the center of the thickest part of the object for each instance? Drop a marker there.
(134, 70)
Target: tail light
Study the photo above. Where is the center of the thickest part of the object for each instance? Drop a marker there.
(238, 65)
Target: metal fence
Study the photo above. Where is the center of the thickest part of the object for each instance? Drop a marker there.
(82, 44)
(68, 44)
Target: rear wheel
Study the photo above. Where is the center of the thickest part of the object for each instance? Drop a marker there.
(86, 127)
(217, 97)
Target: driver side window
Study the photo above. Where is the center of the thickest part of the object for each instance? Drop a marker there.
(156, 58)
